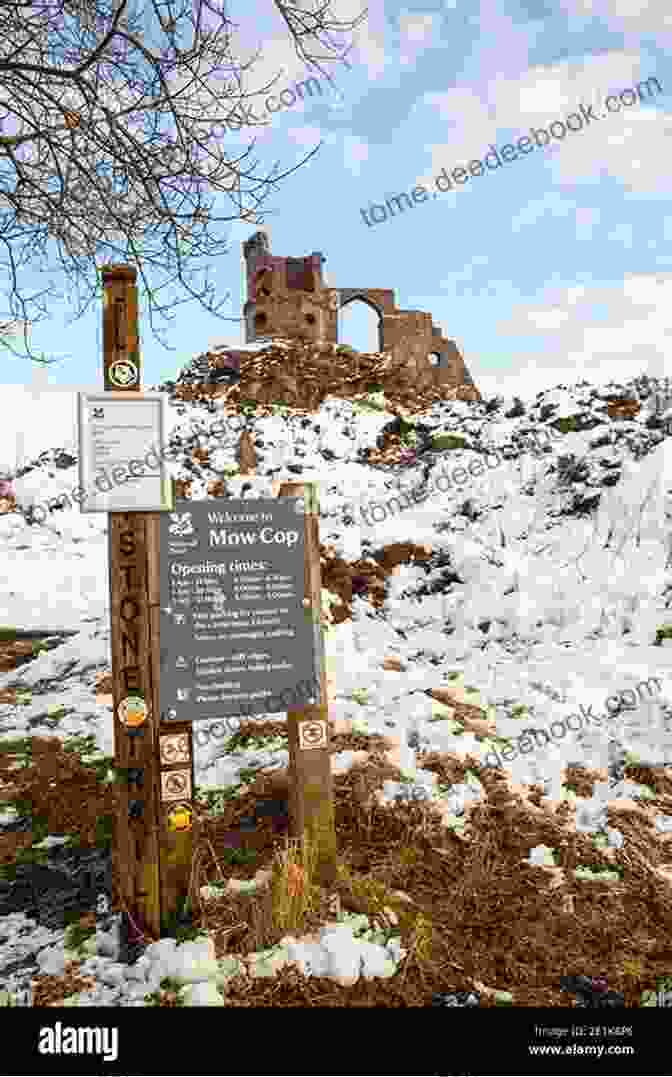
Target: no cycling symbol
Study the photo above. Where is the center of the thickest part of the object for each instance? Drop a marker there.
(123, 372)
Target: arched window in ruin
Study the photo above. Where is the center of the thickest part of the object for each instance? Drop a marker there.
(434, 358)
(360, 325)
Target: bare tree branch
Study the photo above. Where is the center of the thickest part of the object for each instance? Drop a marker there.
(316, 25)
(110, 143)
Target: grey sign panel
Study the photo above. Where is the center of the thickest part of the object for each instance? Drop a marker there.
(235, 638)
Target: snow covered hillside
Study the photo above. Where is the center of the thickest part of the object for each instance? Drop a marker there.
(536, 585)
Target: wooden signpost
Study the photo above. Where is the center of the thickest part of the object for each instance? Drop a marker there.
(311, 795)
(155, 761)
(153, 862)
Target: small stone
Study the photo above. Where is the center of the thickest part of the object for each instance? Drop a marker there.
(393, 664)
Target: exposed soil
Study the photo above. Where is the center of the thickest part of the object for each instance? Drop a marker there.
(492, 919)
(489, 918)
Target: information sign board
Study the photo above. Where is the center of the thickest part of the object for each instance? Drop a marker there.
(235, 635)
(121, 452)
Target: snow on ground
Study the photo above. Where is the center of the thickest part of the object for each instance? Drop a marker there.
(550, 576)
(544, 605)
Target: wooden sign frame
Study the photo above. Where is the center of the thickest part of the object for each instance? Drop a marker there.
(152, 858)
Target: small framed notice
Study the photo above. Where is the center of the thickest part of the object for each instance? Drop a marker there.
(122, 465)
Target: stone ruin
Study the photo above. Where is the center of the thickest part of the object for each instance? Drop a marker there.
(287, 298)
(292, 355)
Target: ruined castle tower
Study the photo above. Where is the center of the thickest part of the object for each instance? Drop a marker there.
(287, 297)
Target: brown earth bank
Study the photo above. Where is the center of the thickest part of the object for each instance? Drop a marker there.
(468, 908)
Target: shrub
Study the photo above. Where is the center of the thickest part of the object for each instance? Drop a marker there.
(443, 442)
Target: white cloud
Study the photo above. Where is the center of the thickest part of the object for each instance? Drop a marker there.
(416, 27)
(418, 33)
(369, 38)
(635, 339)
(636, 16)
(549, 319)
(625, 145)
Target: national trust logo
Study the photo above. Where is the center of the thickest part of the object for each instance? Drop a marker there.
(181, 524)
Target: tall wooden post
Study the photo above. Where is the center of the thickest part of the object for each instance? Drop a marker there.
(311, 793)
(146, 885)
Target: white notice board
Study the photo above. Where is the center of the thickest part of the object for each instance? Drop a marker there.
(122, 465)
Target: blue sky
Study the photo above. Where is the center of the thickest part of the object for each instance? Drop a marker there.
(548, 269)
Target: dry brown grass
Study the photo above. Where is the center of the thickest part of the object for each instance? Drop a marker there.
(471, 911)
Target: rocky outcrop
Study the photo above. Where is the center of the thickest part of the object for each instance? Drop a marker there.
(623, 409)
(300, 374)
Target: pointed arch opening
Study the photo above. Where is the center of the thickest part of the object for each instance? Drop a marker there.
(360, 325)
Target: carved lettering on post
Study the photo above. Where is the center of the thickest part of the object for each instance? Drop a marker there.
(152, 864)
(136, 845)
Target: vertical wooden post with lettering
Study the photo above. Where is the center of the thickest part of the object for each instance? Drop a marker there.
(146, 884)
(311, 793)
(136, 839)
